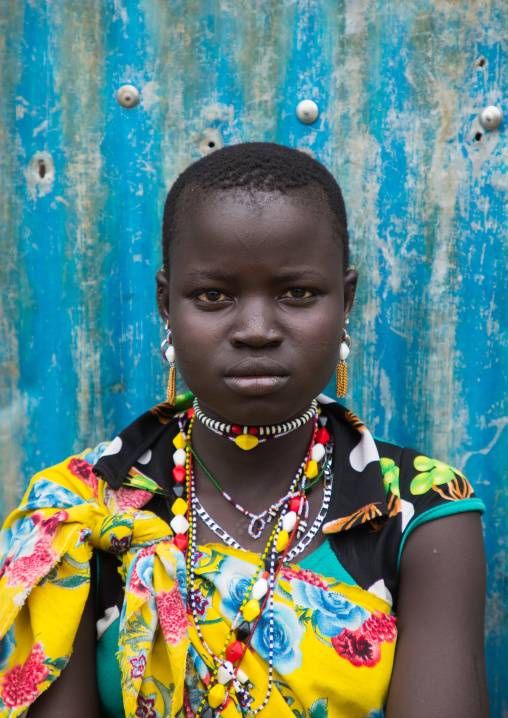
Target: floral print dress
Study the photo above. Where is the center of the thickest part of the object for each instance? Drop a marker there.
(334, 635)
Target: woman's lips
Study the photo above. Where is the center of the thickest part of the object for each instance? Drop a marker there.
(255, 385)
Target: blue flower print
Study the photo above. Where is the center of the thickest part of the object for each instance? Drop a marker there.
(119, 545)
(146, 707)
(181, 575)
(196, 670)
(138, 665)
(47, 494)
(93, 456)
(331, 611)
(7, 646)
(201, 603)
(376, 713)
(144, 569)
(21, 537)
(287, 636)
(233, 582)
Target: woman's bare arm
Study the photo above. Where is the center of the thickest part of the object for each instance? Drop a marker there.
(439, 669)
(74, 694)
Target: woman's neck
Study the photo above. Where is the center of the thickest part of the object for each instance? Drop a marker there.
(254, 478)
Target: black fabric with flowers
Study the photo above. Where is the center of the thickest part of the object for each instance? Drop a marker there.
(381, 492)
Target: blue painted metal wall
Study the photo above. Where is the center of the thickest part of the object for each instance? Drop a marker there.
(399, 87)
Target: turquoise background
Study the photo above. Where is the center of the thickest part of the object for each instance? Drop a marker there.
(399, 86)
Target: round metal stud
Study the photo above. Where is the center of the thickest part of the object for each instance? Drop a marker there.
(127, 96)
(307, 111)
(490, 117)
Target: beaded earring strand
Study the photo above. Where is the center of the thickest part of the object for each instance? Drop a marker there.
(168, 352)
(248, 437)
(341, 372)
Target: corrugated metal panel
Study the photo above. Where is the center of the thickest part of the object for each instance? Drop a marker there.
(399, 86)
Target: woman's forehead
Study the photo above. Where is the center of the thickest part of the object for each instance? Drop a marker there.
(245, 214)
(270, 236)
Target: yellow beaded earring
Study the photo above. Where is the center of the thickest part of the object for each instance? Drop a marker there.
(341, 373)
(168, 352)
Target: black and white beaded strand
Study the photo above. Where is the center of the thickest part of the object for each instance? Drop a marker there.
(248, 437)
(257, 521)
(302, 524)
(279, 542)
(318, 521)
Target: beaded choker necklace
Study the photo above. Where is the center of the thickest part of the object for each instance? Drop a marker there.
(248, 437)
(227, 681)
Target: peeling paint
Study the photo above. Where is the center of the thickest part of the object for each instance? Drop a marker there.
(149, 96)
(499, 425)
(355, 20)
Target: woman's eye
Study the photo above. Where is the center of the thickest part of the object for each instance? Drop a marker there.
(211, 296)
(298, 293)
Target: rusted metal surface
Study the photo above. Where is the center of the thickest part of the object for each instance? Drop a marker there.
(399, 87)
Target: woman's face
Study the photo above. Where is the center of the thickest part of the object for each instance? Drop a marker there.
(256, 303)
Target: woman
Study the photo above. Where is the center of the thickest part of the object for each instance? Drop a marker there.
(352, 582)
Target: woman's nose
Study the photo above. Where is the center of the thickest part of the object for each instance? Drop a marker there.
(255, 326)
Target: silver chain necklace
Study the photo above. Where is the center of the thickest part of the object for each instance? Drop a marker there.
(305, 540)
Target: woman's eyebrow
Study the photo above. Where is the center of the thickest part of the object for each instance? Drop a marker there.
(296, 275)
(289, 276)
(198, 274)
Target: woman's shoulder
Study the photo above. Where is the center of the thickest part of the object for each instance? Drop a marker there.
(134, 458)
(142, 447)
(382, 480)
(381, 493)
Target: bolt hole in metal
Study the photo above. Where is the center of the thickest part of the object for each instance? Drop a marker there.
(478, 136)
(210, 140)
(481, 62)
(40, 174)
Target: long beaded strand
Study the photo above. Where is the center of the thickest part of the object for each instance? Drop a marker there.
(305, 541)
(218, 692)
(223, 671)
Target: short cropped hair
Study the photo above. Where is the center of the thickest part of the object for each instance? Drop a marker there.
(263, 166)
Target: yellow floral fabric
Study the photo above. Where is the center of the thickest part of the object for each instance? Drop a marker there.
(333, 643)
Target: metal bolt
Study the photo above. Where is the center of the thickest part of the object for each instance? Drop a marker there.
(307, 111)
(127, 96)
(490, 117)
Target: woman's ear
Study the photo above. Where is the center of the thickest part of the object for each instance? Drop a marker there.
(350, 281)
(162, 295)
